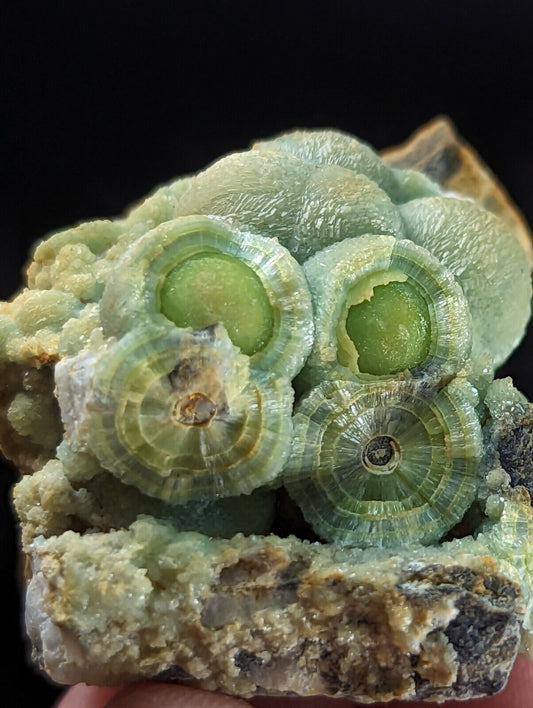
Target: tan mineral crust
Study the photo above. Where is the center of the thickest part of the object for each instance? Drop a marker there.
(250, 615)
(238, 593)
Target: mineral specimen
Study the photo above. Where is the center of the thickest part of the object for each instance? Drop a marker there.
(262, 446)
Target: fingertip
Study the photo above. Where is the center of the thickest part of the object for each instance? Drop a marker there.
(164, 695)
(518, 692)
(145, 695)
(83, 696)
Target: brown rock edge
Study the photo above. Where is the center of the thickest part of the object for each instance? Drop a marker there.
(438, 151)
(260, 615)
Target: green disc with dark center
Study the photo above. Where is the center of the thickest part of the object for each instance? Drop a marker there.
(391, 331)
(384, 464)
(212, 287)
(176, 413)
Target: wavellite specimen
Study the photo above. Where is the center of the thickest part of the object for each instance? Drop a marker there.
(262, 442)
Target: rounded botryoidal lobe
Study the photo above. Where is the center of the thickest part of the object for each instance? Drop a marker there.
(322, 148)
(333, 148)
(383, 308)
(197, 272)
(176, 413)
(306, 188)
(157, 207)
(384, 464)
(306, 206)
(487, 260)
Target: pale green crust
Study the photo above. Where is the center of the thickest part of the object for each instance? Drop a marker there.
(54, 500)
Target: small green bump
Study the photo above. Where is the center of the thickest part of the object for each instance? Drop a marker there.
(211, 288)
(391, 331)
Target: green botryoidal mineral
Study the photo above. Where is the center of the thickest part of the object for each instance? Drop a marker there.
(176, 331)
(298, 318)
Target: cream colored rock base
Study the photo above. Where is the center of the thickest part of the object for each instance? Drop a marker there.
(267, 615)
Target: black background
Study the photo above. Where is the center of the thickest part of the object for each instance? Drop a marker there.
(102, 100)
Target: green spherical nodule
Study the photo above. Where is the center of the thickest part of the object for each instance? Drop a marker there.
(391, 331)
(212, 287)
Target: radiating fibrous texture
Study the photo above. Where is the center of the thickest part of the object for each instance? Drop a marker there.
(175, 413)
(421, 325)
(149, 372)
(472, 251)
(384, 465)
(197, 271)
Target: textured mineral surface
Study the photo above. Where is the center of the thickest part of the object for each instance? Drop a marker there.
(262, 445)
(272, 615)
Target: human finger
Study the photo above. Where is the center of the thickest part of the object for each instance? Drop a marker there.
(83, 696)
(165, 695)
(517, 694)
(145, 695)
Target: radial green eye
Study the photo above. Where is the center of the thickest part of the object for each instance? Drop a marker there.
(391, 331)
(213, 287)
(175, 413)
(197, 272)
(384, 307)
(386, 463)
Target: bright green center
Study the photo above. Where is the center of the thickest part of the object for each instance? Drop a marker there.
(211, 288)
(391, 331)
